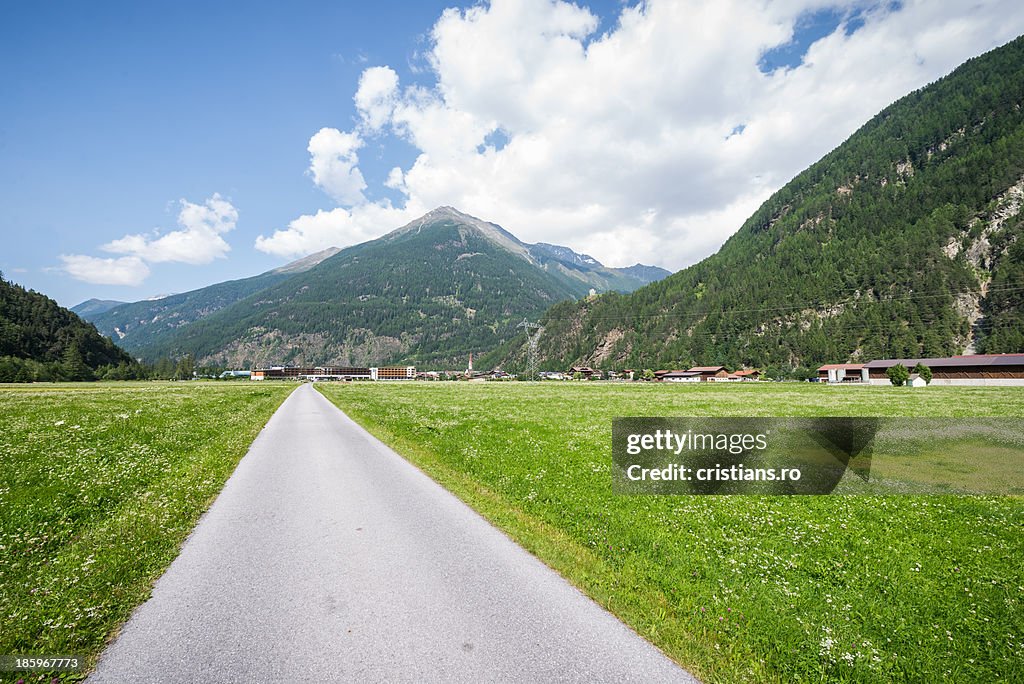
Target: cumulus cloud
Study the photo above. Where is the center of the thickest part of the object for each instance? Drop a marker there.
(314, 232)
(652, 140)
(199, 241)
(121, 271)
(332, 164)
(375, 97)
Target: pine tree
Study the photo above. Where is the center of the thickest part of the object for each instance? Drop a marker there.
(75, 368)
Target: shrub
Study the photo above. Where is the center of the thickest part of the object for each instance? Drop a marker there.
(925, 372)
(898, 375)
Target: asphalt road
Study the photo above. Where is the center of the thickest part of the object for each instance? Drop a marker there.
(327, 558)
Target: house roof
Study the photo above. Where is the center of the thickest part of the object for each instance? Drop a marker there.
(841, 366)
(749, 371)
(679, 374)
(969, 360)
(707, 369)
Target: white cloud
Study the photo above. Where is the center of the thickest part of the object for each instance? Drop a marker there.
(332, 164)
(620, 144)
(121, 271)
(395, 179)
(198, 242)
(334, 228)
(375, 97)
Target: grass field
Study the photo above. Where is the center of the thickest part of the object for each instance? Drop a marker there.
(99, 485)
(741, 588)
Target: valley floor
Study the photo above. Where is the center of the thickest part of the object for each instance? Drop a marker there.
(101, 483)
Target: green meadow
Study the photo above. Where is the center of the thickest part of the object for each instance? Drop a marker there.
(735, 588)
(99, 486)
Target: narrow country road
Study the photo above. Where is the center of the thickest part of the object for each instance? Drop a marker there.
(328, 558)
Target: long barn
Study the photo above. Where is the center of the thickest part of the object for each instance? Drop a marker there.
(974, 369)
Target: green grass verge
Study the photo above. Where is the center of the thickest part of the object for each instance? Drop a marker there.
(99, 486)
(741, 588)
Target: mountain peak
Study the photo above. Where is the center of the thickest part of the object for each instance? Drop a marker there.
(445, 211)
(95, 306)
(491, 231)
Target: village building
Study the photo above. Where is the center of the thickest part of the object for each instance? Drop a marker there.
(915, 380)
(836, 373)
(679, 376)
(710, 373)
(749, 374)
(974, 369)
(394, 373)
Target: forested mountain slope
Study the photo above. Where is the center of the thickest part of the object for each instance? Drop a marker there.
(41, 340)
(902, 242)
(147, 322)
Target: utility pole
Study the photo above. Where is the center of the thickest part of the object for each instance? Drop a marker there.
(533, 331)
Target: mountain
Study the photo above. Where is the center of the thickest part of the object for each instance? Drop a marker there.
(94, 307)
(41, 340)
(566, 264)
(148, 322)
(902, 242)
(430, 292)
(581, 273)
(643, 273)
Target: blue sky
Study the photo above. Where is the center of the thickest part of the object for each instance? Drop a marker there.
(112, 112)
(632, 133)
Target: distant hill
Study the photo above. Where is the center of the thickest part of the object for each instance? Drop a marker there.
(645, 274)
(146, 323)
(905, 241)
(94, 307)
(566, 264)
(430, 292)
(41, 340)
